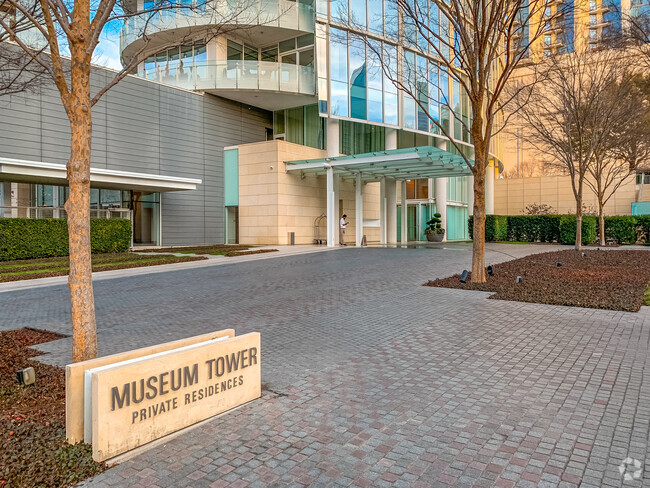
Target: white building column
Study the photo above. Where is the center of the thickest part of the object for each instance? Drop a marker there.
(382, 211)
(391, 139)
(391, 211)
(489, 190)
(404, 227)
(333, 149)
(358, 209)
(332, 220)
(441, 202)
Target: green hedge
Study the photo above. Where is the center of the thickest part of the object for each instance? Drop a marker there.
(534, 228)
(621, 229)
(568, 229)
(496, 227)
(44, 238)
(643, 228)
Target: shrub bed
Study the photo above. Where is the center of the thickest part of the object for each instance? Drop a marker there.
(47, 267)
(34, 450)
(42, 238)
(613, 279)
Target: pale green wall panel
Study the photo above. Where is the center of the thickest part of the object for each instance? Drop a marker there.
(231, 177)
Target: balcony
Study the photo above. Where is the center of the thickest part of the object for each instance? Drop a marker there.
(262, 19)
(248, 82)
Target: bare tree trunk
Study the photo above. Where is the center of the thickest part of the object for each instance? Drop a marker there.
(478, 245)
(601, 223)
(578, 244)
(77, 206)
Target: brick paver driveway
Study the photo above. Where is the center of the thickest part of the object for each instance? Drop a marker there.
(373, 380)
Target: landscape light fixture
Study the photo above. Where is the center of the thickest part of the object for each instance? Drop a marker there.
(26, 376)
(520, 279)
(490, 271)
(559, 264)
(584, 254)
(463, 276)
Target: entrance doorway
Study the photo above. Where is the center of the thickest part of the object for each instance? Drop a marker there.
(412, 222)
(232, 225)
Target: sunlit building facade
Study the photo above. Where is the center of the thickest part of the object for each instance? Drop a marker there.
(325, 72)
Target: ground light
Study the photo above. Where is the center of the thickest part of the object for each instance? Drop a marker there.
(520, 279)
(559, 264)
(26, 376)
(463, 276)
(490, 271)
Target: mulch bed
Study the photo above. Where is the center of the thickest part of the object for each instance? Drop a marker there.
(232, 254)
(613, 280)
(102, 262)
(34, 452)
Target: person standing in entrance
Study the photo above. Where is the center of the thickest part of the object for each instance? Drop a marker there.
(342, 225)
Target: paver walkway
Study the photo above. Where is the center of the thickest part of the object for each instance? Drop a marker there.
(373, 380)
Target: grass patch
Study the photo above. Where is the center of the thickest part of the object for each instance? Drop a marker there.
(613, 280)
(32, 419)
(213, 250)
(47, 267)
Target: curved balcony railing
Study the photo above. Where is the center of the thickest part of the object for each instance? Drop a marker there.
(284, 14)
(238, 75)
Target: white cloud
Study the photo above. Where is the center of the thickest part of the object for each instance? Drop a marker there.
(107, 52)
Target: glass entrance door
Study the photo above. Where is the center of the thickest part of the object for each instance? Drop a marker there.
(146, 218)
(411, 223)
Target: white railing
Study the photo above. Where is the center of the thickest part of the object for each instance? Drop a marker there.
(238, 75)
(60, 213)
(285, 14)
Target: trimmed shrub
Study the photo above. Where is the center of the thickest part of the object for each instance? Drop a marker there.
(496, 227)
(534, 228)
(643, 228)
(621, 229)
(568, 229)
(44, 238)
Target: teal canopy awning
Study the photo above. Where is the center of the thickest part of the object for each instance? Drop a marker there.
(401, 164)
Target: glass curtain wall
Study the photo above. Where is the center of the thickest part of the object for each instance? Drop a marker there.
(300, 125)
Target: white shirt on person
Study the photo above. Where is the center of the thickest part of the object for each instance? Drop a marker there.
(343, 223)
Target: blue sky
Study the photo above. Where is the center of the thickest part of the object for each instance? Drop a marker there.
(107, 52)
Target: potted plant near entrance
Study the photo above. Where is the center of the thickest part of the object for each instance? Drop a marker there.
(434, 230)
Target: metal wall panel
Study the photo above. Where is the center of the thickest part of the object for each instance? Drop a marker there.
(142, 126)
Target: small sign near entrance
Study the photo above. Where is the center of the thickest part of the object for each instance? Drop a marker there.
(137, 401)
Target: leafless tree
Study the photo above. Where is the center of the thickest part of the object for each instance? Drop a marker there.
(627, 146)
(526, 169)
(472, 46)
(57, 27)
(18, 72)
(572, 115)
(637, 31)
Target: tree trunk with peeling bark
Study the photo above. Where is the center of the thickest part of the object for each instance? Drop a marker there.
(578, 244)
(601, 223)
(78, 108)
(478, 244)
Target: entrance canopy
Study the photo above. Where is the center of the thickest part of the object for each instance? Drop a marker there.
(55, 174)
(400, 164)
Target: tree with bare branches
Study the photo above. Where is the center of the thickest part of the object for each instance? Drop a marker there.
(58, 27)
(18, 73)
(627, 146)
(472, 46)
(572, 114)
